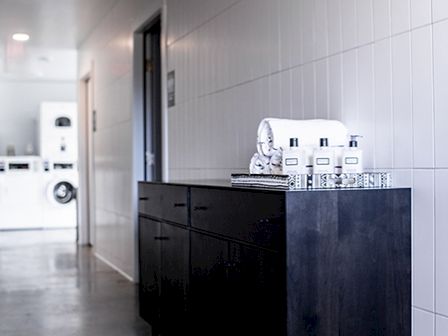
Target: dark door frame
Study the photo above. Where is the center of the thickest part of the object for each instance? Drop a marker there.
(138, 119)
(152, 101)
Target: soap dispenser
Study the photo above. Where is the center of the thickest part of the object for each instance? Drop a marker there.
(294, 159)
(324, 158)
(352, 158)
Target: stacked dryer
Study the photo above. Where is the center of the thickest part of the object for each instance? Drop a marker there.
(59, 152)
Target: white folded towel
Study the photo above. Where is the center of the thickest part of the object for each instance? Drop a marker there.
(274, 134)
(259, 164)
(275, 164)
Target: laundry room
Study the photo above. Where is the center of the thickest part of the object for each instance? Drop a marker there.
(38, 138)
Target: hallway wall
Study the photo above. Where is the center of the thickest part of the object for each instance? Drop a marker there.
(377, 65)
(108, 54)
(380, 66)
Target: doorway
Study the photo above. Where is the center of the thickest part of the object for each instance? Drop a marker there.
(86, 192)
(152, 100)
(91, 129)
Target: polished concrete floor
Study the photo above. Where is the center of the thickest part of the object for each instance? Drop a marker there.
(48, 287)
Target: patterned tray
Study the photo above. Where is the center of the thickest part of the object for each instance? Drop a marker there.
(315, 181)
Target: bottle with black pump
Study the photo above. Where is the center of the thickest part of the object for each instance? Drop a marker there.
(294, 159)
(324, 158)
(352, 162)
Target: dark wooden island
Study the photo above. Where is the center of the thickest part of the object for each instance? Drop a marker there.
(220, 260)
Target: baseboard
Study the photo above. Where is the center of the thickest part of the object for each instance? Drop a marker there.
(115, 268)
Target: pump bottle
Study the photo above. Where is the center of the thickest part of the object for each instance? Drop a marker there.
(352, 162)
(294, 159)
(324, 158)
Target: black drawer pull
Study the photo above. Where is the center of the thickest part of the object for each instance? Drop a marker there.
(144, 198)
(161, 238)
(180, 205)
(200, 208)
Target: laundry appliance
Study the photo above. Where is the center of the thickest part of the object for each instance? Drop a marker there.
(59, 188)
(20, 193)
(58, 128)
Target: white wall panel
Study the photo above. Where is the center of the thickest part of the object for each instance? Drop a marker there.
(335, 86)
(350, 91)
(322, 94)
(309, 91)
(402, 100)
(423, 109)
(423, 323)
(349, 24)
(383, 105)
(366, 104)
(321, 27)
(439, 10)
(401, 16)
(334, 15)
(382, 18)
(420, 12)
(365, 21)
(441, 325)
(441, 93)
(441, 233)
(109, 49)
(423, 240)
(297, 98)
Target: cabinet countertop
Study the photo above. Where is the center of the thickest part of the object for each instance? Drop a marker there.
(226, 184)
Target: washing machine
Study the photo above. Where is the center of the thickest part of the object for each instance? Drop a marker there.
(60, 189)
(20, 193)
(58, 138)
(58, 131)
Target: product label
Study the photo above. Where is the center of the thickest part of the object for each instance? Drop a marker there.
(351, 160)
(291, 162)
(323, 161)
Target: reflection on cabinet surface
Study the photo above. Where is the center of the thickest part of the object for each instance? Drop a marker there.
(233, 261)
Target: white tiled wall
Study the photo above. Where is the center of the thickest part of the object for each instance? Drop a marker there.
(380, 66)
(107, 54)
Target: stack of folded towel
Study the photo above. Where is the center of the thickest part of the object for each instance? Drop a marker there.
(274, 135)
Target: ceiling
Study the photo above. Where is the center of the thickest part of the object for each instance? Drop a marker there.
(56, 27)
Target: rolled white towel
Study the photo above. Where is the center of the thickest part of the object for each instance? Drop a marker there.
(259, 164)
(276, 163)
(274, 134)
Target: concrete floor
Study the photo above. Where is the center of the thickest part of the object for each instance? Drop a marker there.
(48, 286)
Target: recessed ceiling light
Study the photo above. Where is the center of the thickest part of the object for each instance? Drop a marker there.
(21, 37)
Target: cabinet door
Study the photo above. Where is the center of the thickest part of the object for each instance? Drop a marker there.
(209, 300)
(256, 284)
(150, 271)
(175, 276)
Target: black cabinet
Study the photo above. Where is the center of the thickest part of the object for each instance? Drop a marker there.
(233, 261)
(150, 265)
(234, 287)
(164, 275)
(256, 284)
(209, 290)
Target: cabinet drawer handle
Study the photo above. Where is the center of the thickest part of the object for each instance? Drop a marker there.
(144, 198)
(161, 238)
(200, 208)
(180, 205)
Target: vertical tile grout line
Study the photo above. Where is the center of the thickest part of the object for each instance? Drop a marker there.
(434, 173)
(411, 63)
(374, 102)
(391, 66)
